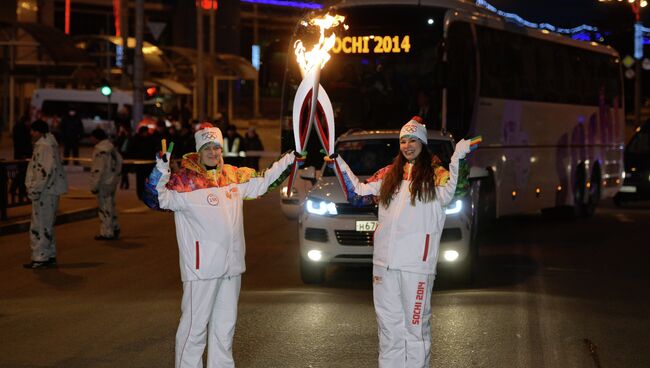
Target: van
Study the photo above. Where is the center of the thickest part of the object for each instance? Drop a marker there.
(94, 109)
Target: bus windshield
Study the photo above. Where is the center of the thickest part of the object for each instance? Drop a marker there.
(383, 70)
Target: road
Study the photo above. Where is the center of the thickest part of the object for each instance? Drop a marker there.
(551, 293)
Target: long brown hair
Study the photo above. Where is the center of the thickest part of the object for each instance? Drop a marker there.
(422, 186)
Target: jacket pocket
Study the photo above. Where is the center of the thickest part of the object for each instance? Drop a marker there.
(197, 251)
(425, 255)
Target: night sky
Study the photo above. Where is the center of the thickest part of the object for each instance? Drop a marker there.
(615, 18)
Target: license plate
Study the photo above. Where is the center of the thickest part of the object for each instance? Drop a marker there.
(366, 225)
(624, 189)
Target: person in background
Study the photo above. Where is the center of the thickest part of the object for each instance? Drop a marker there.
(233, 146)
(45, 182)
(142, 147)
(72, 130)
(412, 193)
(22, 150)
(105, 174)
(207, 197)
(252, 142)
(122, 142)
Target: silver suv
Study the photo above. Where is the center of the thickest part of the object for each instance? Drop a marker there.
(331, 230)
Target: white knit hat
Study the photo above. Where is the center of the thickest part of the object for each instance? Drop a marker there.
(414, 128)
(208, 135)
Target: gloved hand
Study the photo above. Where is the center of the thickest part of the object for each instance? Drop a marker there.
(462, 149)
(163, 165)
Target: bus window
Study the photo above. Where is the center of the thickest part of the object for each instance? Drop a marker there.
(461, 86)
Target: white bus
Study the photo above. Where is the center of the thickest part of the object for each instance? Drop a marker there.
(549, 108)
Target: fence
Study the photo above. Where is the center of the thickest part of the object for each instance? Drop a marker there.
(12, 185)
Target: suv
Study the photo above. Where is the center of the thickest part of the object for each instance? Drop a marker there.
(333, 231)
(636, 177)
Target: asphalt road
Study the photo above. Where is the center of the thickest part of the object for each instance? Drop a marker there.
(551, 293)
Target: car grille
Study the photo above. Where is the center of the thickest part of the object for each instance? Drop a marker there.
(348, 209)
(313, 234)
(365, 238)
(353, 237)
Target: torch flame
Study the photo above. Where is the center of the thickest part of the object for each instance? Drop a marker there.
(319, 54)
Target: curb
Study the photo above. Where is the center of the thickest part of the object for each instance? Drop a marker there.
(61, 218)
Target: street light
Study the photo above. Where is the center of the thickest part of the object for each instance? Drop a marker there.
(107, 91)
(638, 53)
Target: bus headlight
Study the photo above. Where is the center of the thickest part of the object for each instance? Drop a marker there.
(315, 255)
(318, 207)
(454, 207)
(450, 255)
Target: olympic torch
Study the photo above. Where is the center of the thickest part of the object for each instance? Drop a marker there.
(310, 96)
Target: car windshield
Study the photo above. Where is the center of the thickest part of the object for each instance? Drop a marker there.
(366, 156)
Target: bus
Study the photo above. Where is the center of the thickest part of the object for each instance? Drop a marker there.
(549, 108)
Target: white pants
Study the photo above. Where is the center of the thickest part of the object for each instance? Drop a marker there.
(41, 230)
(107, 214)
(209, 309)
(403, 306)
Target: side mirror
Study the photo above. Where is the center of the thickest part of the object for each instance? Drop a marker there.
(309, 174)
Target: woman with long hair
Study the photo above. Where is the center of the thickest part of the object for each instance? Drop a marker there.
(412, 192)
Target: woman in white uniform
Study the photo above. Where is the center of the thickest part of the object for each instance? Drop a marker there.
(206, 197)
(412, 193)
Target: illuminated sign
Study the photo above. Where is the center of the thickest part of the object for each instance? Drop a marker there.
(372, 45)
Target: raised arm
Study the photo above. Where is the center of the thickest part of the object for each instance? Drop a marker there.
(259, 184)
(156, 195)
(445, 192)
(354, 186)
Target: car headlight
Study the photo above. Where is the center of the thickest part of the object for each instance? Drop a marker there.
(450, 255)
(318, 207)
(454, 207)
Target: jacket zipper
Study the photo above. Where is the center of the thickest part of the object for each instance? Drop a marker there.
(198, 257)
(426, 249)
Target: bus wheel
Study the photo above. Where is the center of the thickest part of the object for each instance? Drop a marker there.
(593, 193)
(311, 272)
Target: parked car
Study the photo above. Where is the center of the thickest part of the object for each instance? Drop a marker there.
(332, 231)
(636, 177)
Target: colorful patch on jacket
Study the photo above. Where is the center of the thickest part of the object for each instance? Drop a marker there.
(193, 176)
(441, 178)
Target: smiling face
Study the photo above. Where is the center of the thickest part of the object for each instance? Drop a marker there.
(410, 147)
(210, 154)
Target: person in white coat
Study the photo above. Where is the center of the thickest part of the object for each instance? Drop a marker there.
(412, 193)
(45, 182)
(206, 197)
(105, 175)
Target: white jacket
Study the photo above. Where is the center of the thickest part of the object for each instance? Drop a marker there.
(209, 221)
(45, 173)
(407, 237)
(106, 168)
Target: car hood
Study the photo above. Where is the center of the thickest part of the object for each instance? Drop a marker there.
(328, 188)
